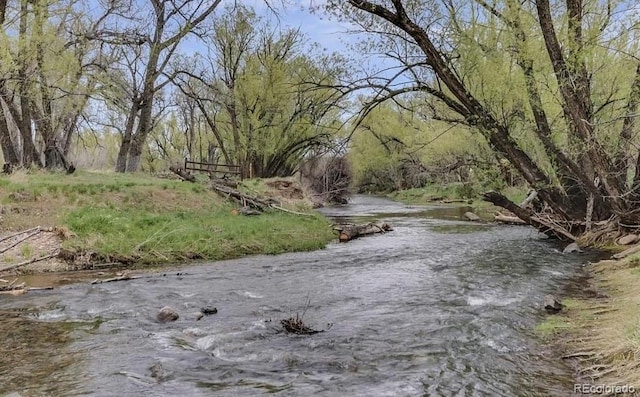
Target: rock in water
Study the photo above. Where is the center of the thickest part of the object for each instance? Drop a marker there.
(628, 239)
(573, 247)
(471, 216)
(552, 305)
(167, 314)
(209, 310)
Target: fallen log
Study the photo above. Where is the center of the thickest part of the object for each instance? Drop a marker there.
(349, 232)
(183, 174)
(507, 219)
(241, 198)
(546, 226)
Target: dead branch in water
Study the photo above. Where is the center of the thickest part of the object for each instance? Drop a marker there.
(295, 325)
(124, 277)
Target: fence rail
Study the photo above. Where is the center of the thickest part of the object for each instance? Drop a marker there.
(212, 168)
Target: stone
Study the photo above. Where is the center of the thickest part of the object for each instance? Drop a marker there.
(552, 305)
(167, 314)
(471, 216)
(628, 239)
(573, 247)
(209, 310)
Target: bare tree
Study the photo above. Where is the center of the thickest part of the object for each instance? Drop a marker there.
(170, 22)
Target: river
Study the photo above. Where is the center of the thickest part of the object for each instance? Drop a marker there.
(438, 307)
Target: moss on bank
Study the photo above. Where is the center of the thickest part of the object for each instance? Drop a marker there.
(602, 334)
(143, 220)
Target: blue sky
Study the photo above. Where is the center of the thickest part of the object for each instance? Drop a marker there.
(296, 14)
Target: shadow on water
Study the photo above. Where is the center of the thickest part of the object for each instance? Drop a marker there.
(438, 307)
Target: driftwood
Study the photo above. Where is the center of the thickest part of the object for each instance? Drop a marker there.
(30, 261)
(19, 233)
(508, 219)
(124, 277)
(349, 232)
(183, 174)
(472, 216)
(290, 211)
(250, 201)
(28, 236)
(248, 211)
(12, 286)
(295, 325)
(241, 198)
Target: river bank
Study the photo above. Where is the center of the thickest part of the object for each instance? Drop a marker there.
(599, 331)
(91, 219)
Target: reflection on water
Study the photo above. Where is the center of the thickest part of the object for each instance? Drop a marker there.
(438, 307)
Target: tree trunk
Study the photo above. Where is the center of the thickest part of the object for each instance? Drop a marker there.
(8, 150)
(139, 138)
(125, 144)
(29, 152)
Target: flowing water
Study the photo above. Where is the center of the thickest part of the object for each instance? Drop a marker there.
(438, 307)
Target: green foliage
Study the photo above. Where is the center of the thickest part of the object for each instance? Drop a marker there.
(393, 149)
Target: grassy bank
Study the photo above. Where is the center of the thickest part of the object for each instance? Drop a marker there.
(601, 334)
(460, 193)
(142, 220)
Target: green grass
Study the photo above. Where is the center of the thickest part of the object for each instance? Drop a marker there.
(564, 322)
(148, 237)
(552, 325)
(142, 220)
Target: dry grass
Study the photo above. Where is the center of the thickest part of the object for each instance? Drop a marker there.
(603, 335)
